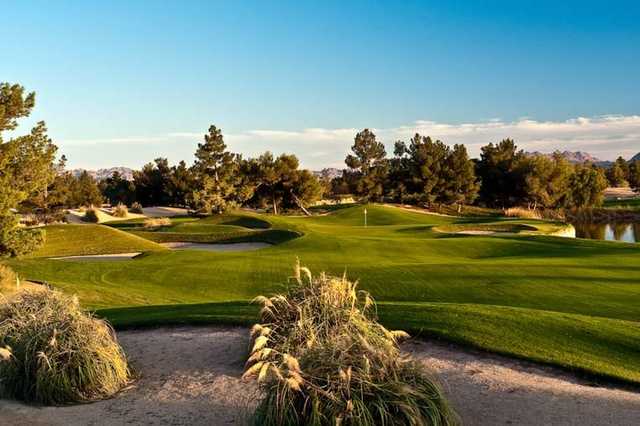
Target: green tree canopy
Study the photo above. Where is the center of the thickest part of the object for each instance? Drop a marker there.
(27, 167)
(368, 166)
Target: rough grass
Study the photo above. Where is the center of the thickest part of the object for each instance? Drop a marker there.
(401, 261)
(53, 353)
(322, 358)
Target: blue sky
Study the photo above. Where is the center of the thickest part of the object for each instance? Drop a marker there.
(120, 83)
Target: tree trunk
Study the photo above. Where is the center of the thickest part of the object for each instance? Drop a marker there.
(275, 205)
(299, 203)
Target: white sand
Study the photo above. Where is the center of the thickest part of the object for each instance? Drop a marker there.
(191, 376)
(164, 211)
(475, 232)
(216, 247)
(104, 257)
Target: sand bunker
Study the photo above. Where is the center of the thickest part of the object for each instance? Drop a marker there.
(100, 257)
(475, 232)
(191, 376)
(216, 247)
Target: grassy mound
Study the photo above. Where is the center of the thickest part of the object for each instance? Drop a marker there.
(53, 353)
(76, 240)
(322, 358)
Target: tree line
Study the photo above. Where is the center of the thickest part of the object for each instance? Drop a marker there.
(219, 180)
(426, 171)
(421, 171)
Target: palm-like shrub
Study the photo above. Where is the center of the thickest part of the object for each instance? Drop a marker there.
(323, 359)
(136, 207)
(51, 352)
(120, 210)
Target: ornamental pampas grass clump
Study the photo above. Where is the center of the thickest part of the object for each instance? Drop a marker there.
(54, 353)
(322, 359)
(156, 222)
(120, 210)
(8, 280)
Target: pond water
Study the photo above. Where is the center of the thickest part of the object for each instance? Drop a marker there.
(627, 232)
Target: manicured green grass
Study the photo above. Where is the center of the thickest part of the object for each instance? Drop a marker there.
(70, 240)
(555, 300)
(632, 203)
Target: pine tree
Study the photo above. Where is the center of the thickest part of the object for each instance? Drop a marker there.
(369, 166)
(26, 168)
(216, 174)
(461, 185)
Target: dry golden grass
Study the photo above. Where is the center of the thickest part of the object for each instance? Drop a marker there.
(51, 352)
(8, 280)
(120, 211)
(322, 358)
(157, 222)
(523, 213)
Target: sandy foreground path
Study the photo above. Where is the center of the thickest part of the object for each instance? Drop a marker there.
(190, 376)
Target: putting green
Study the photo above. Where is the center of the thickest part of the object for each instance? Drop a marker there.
(572, 303)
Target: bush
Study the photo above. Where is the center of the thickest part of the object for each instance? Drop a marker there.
(21, 241)
(120, 210)
(51, 352)
(136, 207)
(8, 279)
(157, 222)
(321, 358)
(523, 213)
(91, 215)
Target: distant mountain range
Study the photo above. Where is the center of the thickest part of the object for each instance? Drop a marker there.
(583, 157)
(328, 173)
(102, 174)
(574, 157)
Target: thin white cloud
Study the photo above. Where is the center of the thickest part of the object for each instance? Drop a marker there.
(604, 136)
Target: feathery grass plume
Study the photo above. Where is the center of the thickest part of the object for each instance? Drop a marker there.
(157, 222)
(523, 213)
(8, 280)
(120, 210)
(327, 361)
(54, 353)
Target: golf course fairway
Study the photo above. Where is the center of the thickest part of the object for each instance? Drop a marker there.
(561, 301)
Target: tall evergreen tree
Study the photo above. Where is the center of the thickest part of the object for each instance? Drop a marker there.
(461, 184)
(152, 183)
(86, 192)
(27, 168)
(616, 174)
(546, 180)
(117, 189)
(368, 165)
(634, 175)
(216, 173)
(501, 182)
(587, 186)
